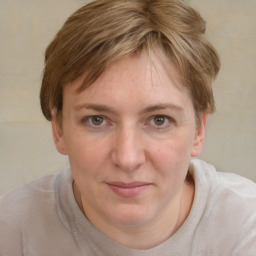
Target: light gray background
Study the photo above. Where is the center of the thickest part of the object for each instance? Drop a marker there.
(27, 26)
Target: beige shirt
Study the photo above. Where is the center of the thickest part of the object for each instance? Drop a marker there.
(42, 218)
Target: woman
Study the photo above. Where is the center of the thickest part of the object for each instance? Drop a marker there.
(127, 88)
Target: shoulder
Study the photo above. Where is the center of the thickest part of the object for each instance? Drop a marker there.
(29, 217)
(20, 202)
(229, 213)
(20, 209)
(236, 186)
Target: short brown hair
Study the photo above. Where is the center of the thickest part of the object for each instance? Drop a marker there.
(103, 31)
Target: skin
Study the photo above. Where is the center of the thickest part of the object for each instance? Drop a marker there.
(129, 138)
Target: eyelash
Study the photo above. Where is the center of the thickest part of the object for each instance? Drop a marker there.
(167, 121)
(88, 120)
(106, 122)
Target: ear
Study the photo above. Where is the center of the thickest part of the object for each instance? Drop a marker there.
(58, 136)
(199, 137)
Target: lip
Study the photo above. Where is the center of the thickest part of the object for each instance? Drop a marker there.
(128, 189)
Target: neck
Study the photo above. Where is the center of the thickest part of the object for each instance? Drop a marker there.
(150, 234)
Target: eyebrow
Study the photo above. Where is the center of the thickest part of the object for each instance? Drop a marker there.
(156, 107)
(96, 107)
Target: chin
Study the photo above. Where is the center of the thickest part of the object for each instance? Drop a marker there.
(131, 216)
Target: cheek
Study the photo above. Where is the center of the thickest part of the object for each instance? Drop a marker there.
(86, 156)
(172, 157)
(176, 149)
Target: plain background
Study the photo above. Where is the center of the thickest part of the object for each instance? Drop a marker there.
(26, 146)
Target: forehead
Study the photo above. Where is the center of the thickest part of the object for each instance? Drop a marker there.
(145, 77)
(151, 62)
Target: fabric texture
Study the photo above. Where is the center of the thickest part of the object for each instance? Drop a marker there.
(42, 218)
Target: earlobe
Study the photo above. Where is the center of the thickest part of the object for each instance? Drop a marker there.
(58, 136)
(199, 137)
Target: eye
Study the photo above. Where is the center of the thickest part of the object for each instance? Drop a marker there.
(95, 121)
(160, 121)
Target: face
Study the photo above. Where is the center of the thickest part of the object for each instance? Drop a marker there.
(129, 138)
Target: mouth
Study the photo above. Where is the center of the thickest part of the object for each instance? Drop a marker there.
(128, 189)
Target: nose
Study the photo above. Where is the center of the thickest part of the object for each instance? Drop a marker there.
(128, 151)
